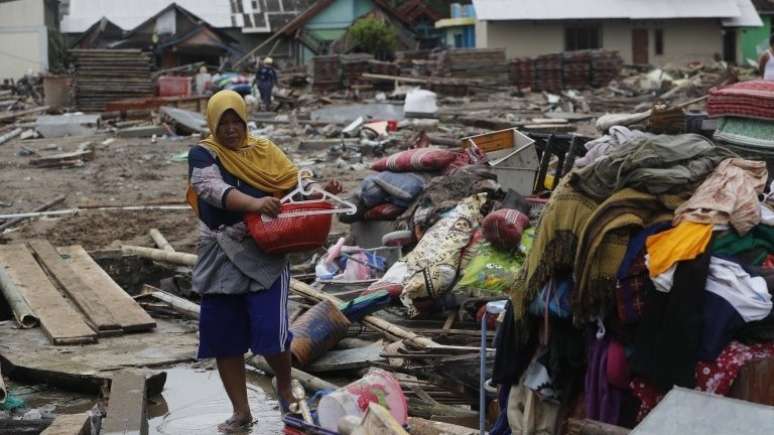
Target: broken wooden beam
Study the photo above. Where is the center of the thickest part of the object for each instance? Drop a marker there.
(127, 406)
(593, 427)
(121, 306)
(160, 240)
(60, 321)
(10, 135)
(180, 305)
(85, 152)
(379, 421)
(160, 255)
(420, 426)
(310, 382)
(70, 424)
(13, 115)
(82, 295)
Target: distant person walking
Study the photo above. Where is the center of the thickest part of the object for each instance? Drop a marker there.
(266, 78)
(766, 61)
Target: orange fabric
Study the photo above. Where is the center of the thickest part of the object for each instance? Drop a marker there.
(683, 242)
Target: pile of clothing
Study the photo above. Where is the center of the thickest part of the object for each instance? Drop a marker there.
(746, 116)
(651, 267)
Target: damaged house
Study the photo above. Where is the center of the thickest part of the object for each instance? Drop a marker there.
(643, 32)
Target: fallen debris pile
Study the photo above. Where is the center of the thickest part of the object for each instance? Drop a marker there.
(106, 75)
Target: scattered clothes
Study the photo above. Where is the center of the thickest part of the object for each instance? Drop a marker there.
(553, 299)
(715, 377)
(503, 228)
(669, 335)
(515, 343)
(383, 212)
(632, 276)
(683, 242)
(604, 241)
(501, 426)
(528, 415)
(390, 187)
(490, 271)
(537, 379)
(618, 138)
(728, 196)
(663, 282)
(748, 295)
(657, 165)
(755, 245)
(556, 243)
(349, 263)
(603, 400)
(618, 370)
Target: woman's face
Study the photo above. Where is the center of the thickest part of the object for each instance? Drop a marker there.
(231, 130)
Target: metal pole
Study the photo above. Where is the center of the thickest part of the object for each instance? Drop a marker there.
(482, 378)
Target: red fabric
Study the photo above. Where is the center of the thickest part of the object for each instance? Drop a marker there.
(768, 262)
(383, 212)
(503, 228)
(421, 159)
(715, 377)
(751, 99)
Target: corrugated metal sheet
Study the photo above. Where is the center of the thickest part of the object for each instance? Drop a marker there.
(491, 10)
(748, 18)
(127, 14)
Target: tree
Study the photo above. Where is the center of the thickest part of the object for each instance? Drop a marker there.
(374, 36)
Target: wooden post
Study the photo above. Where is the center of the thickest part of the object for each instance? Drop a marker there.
(126, 413)
(160, 240)
(420, 426)
(69, 424)
(593, 427)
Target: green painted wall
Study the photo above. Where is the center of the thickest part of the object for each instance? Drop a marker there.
(340, 14)
(755, 40)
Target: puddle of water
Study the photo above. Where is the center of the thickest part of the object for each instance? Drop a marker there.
(194, 403)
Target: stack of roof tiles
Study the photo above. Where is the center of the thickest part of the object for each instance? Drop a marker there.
(569, 70)
(107, 75)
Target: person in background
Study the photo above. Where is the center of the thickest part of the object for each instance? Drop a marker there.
(203, 81)
(244, 290)
(265, 79)
(766, 61)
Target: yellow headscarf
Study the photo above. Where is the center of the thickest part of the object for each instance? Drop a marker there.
(259, 162)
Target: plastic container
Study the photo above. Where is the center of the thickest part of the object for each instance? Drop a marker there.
(377, 386)
(297, 228)
(317, 331)
(173, 86)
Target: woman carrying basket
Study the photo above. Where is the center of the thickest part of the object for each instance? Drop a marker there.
(244, 290)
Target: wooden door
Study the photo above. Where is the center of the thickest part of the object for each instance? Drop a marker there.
(640, 46)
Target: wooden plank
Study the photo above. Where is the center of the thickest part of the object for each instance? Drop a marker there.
(755, 382)
(348, 359)
(379, 421)
(70, 424)
(420, 426)
(60, 321)
(127, 410)
(121, 306)
(82, 295)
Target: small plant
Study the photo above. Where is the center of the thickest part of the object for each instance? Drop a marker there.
(374, 36)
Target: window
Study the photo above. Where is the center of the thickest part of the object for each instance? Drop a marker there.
(659, 35)
(582, 38)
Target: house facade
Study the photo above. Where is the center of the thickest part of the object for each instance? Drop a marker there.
(24, 28)
(642, 31)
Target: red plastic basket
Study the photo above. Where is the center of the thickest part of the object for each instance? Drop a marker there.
(296, 229)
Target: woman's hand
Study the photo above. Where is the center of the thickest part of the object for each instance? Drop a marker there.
(267, 205)
(333, 186)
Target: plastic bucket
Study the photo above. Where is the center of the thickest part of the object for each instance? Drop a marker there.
(377, 386)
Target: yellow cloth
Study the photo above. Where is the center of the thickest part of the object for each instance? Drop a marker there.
(683, 242)
(258, 162)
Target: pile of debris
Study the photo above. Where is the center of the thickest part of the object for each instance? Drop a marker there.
(569, 70)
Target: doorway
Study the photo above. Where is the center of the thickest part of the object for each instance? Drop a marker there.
(640, 47)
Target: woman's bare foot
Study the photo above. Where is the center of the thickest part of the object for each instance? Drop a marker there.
(236, 423)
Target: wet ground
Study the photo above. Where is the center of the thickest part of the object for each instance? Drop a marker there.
(193, 402)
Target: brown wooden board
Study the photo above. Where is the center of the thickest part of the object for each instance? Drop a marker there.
(125, 311)
(127, 411)
(82, 295)
(62, 323)
(69, 424)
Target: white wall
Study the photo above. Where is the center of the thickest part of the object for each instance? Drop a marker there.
(23, 38)
(684, 40)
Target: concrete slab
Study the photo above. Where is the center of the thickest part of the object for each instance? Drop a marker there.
(27, 356)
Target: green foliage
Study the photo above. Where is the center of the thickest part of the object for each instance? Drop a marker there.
(374, 36)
